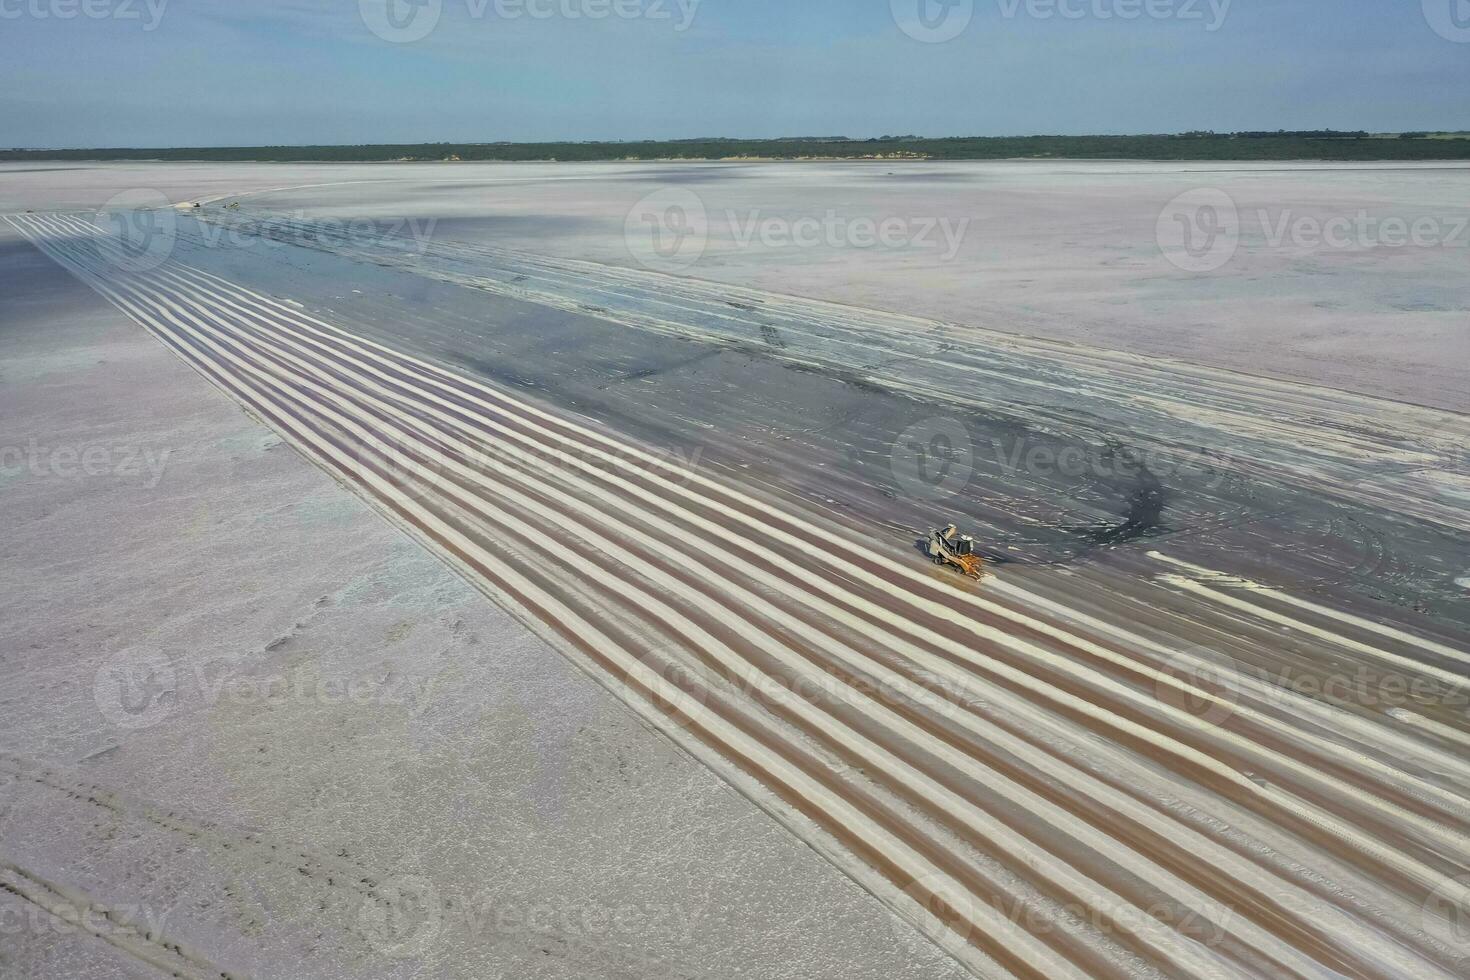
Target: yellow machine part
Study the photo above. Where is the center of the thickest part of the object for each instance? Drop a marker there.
(972, 564)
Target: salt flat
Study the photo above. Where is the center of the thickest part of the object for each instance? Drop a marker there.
(1065, 250)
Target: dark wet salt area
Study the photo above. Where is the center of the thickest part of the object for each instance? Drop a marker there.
(1036, 483)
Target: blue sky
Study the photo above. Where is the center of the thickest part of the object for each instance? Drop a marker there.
(240, 72)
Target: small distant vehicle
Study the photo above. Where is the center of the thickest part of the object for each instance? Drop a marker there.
(949, 547)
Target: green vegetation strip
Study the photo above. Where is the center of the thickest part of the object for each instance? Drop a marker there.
(1317, 145)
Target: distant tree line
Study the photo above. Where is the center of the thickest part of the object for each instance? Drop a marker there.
(1303, 134)
(1323, 144)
